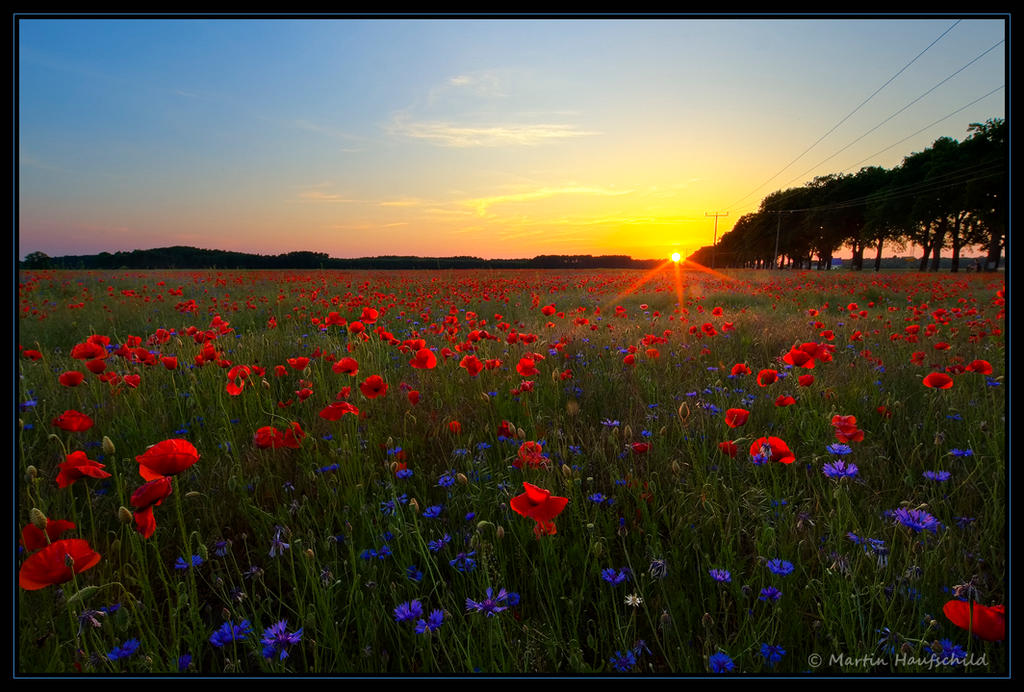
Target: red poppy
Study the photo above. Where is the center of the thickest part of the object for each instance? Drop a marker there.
(299, 363)
(805, 380)
(540, 505)
(170, 362)
(71, 378)
(773, 449)
(167, 458)
(96, 366)
(88, 350)
(728, 447)
(424, 359)
(798, 358)
(472, 365)
(145, 498)
(454, 427)
(132, 380)
(735, 417)
(346, 366)
(630, 359)
(741, 369)
(34, 538)
(373, 387)
(531, 454)
(527, 367)
(938, 380)
(265, 437)
(73, 421)
(989, 622)
(76, 465)
(980, 366)
(338, 409)
(785, 400)
(56, 563)
(641, 447)
(356, 327)
(767, 377)
(414, 397)
(369, 315)
(31, 354)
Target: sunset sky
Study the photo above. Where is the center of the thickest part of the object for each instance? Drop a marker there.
(492, 138)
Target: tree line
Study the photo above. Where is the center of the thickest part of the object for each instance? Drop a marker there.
(182, 257)
(952, 195)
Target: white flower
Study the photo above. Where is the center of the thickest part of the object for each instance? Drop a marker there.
(634, 600)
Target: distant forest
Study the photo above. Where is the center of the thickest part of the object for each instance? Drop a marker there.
(180, 257)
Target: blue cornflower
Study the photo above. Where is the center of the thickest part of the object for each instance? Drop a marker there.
(610, 423)
(277, 544)
(432, 512)
(615, 577)
(387, 507)
(720, 575)
(124, 651)
(780, 567)
(464, 562)
(951, 650)
(368, 554)
(623, 662)
(220, 548)
(403, 473)
(410, 610)
(184, 661)
(838, 449)
(720, 662)
(230, 632)
(840, 469)
(938, 476)
(276, 639)
(413, 573)
(916, 519)
(331, 467)
(181, 564)
(492, 605)
(772, 653)
(435, 546)
(447, 480)
(962, 452)
(770, 593)
(599, 498)
(431, 624)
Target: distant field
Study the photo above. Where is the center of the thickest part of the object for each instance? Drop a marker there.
(511, 472)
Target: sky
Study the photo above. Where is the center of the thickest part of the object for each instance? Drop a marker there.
(495, 138)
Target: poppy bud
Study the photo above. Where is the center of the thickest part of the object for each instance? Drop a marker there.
(707, 620)
(461, 478)
(390, 442)
(666, 619)
(193, 493)
(309, 553)
(37, 518)
(115, 547)
(676, 468)
(499, 532)
(520, 433)
(53, 437)
(265, 384)
(108, 446)
(124, 515)
(483, 525)
(663, 430)
(31, 473)
(627, 432)
(415, 505)
(566, 471)
(598, 549)
(21, 424)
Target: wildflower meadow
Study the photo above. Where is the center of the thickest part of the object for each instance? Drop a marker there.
(673, 472)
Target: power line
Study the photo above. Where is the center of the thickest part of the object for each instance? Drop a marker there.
(848, 115)
(896, 113)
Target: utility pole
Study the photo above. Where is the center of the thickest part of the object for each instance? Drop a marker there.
(716, 215)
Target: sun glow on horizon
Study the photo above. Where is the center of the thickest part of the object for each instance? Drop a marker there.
(676, 257)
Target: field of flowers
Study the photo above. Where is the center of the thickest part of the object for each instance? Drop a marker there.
(678, 472)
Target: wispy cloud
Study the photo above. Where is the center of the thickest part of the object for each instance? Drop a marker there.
(321, 196)
(452, 135)
(404, 202)
(482, 204)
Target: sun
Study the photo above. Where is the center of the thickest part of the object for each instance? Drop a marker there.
(676, 256)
